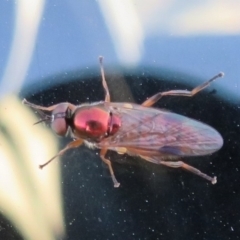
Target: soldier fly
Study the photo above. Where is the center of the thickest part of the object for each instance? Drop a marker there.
(155, 135)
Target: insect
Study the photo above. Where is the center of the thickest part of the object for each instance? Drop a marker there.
(155, 135)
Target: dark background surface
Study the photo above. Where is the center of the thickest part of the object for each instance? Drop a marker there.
(153, 202)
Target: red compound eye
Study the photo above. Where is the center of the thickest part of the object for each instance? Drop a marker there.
(59, 124)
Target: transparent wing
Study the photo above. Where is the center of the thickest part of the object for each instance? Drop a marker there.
(156, 133)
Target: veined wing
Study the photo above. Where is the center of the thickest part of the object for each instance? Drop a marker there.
(158, 132)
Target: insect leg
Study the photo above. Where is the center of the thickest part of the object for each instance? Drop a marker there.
(189, 168)
(102, 155)
(72, 144)
(48, 109)
(104, 83)
(149, 102)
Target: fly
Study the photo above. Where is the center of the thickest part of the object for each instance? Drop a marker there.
(155, 135)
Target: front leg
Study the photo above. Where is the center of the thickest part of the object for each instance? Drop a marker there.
(73, 144)
(42, 108)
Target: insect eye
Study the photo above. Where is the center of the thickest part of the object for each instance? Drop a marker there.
(59, 124)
